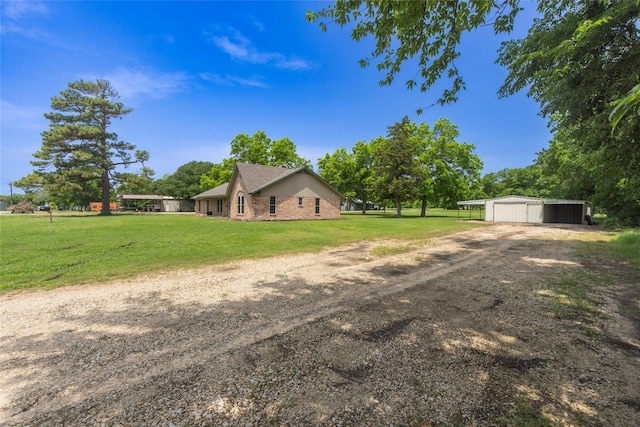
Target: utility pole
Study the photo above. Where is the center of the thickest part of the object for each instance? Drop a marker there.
(11, 192)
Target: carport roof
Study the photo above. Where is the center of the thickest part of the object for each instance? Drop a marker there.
(480, 202)
(144, 197)
(519, 199)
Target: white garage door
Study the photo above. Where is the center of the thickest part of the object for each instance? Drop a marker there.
(510, 212)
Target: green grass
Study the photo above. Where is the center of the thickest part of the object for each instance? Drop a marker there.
(525, 415)
(573, 290)
(88, 248)
(628, 244)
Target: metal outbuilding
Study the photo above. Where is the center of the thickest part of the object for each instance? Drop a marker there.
(532, 210)
(158, 203)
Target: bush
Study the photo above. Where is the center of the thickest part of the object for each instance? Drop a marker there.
(22, 206)
(611, 223)
(629, 245)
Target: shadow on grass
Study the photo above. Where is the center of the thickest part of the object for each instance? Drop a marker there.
(392, 215)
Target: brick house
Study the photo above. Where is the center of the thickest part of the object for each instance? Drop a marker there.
(268, 193)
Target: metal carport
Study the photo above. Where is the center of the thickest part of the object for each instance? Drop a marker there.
(533, 210)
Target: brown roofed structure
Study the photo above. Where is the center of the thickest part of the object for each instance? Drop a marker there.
(257, 192)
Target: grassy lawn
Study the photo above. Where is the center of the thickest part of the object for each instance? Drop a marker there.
(88, 248)
(628, 244)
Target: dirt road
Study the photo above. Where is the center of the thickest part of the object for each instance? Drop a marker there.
(468, 329)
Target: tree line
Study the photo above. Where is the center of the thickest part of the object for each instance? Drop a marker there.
(82, 161)
(413, 163)
(579, 62)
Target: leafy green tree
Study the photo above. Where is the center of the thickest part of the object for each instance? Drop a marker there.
(252, 149)
(363, 178)
(337, 169)
(184, 183)
(65, 190)
(79, 148)
(587, 49)
(449, 168)
(578, 62)
(135, 183)
(396, 167)
(282, 153)
(34, 187)
(217, 175)
(261, 150)
(73, 189)
(350, 172)
(625, 105)
(426, 31)
(515, 181)
(255, 149)
(565, 171)
(31, 183)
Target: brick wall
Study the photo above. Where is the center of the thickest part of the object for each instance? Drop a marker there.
(256, 207)
(288, 208)
(238, 188)
(201, 208)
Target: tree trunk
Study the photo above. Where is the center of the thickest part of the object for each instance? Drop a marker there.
(398, 208)
(423, 211)
(364, 207)
(106, 193)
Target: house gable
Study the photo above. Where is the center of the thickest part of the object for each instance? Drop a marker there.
(258, 193)
(213, 202)
(273, 193)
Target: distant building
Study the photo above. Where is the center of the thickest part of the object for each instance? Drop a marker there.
(356, 205)
(153, 203)
(532, 210)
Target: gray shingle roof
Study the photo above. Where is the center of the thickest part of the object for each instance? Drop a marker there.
(219, 191)
(256, 177)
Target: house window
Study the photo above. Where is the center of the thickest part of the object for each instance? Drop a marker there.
(317, 206)
(272, 205)
(199, 207)
(241, 204)
(300, 201)
(219, 206)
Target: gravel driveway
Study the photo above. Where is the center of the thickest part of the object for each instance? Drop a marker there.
(459, 330)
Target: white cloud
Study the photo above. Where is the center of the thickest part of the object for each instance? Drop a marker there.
(248, 82)
(240, 47)
(294, 64)
(135, 83)
(258, 25)
(15, 116)
(229, 80)
(14, 12)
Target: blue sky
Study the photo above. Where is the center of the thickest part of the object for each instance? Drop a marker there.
(198, 73)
